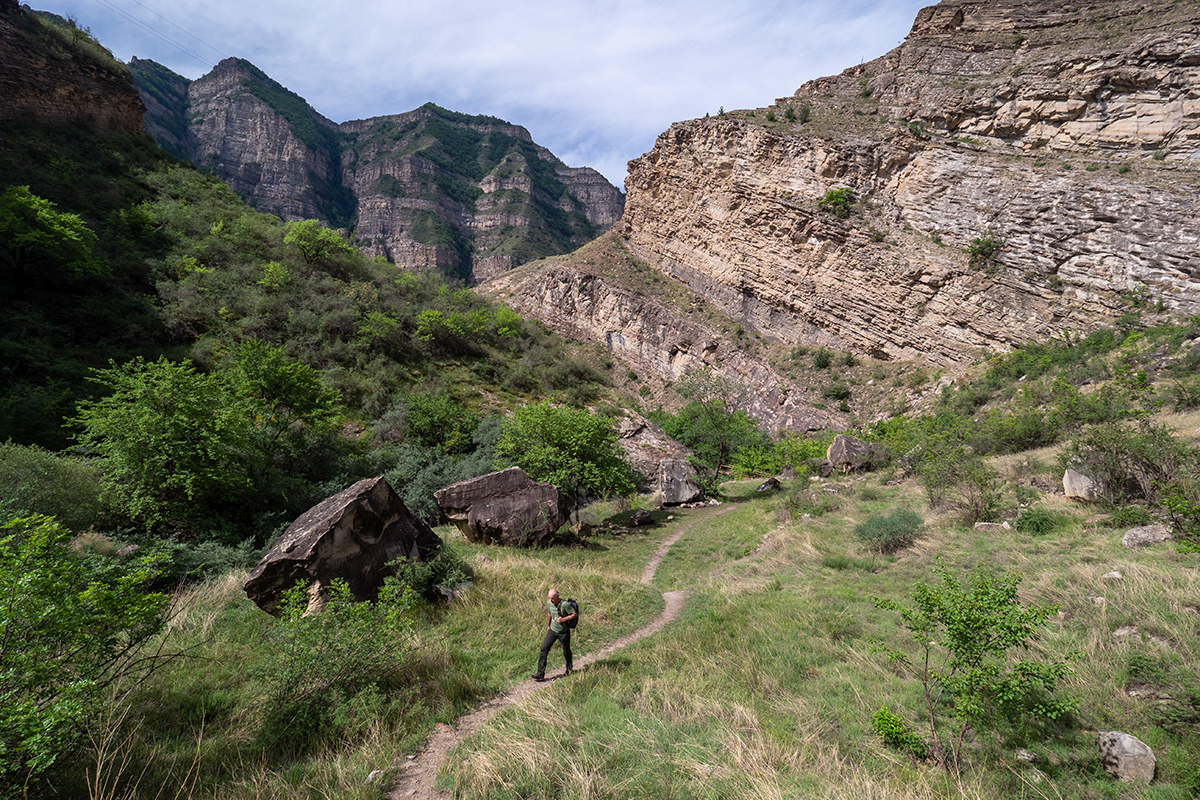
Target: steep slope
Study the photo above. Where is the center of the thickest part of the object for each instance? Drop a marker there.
(1065, 133)
(468, 195)
(1057, 142)
(55, 71)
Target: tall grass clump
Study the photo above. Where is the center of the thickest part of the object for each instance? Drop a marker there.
(887, 534)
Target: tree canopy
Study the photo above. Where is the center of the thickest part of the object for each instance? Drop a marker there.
(571, 448)
(33, 232)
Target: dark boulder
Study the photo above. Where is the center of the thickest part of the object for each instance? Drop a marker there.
(676, 483)
(352, 535)
(848, 453)
(641, 517)
(769, 485)
(506, 507)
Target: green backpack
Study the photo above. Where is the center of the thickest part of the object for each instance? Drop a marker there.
(571, 623)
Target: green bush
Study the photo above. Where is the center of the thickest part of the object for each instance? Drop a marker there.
(813, 502)
(890, 533)
(72, 627)
(895, 733)
(983, 251)
(1039, 521)
(822, 359)
(1131, 459)
(1130, 516)
(837, 202)
(38, 481)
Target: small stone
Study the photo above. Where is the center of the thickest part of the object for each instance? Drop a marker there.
(1099, 601)
(1114, 576)
(1125, 630)
(1026, 756)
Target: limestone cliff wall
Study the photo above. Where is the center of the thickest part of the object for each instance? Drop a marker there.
(1067, 132)
(52, 75)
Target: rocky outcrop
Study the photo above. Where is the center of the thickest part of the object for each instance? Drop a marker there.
(53, 71)
(471, 196)
(1066, 136)
(506, 507)
(350, 536)
(1078, 486)
(1146, 535)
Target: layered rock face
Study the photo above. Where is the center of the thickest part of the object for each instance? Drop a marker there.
(55, 72)
(1065, 135)
(471, 196)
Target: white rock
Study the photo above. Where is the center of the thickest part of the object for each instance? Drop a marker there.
(1114, 576)
(1146, 535)
(1126, 757)
(1080, 486)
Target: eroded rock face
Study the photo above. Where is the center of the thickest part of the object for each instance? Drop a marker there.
(676, 482)
(55, 82)
(1027, 122)
(506, 507)
(352, 536)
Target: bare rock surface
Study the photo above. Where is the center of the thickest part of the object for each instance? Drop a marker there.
(645, 445)
(352, 536)
(1126, 757)
(506, 507)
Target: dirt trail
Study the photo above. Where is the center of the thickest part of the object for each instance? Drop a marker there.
(417, 774)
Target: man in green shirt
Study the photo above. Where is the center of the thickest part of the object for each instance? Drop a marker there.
(560, 613)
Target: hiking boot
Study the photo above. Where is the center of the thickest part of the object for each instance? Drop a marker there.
(569, 671)
(537, 676)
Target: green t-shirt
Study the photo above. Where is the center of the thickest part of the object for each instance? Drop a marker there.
(563, 609)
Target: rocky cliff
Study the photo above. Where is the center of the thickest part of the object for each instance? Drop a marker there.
(1012, 171)
(429, 189)
(53, 70)
(1061, 139)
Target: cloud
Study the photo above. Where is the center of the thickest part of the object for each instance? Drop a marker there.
(595, 82)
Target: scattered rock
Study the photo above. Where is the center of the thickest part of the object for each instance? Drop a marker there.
(1099, 601)
(1078, 486)
(824, 468)
(641, 517)
(1026, 756)
(769, 485)
(1126, 757)
(506, 507)
(992, 526)
(452, 593)
(1125, 630)
(1115, 576)
(1044, 485)
(676, 482)
(1146, 535)
(352, 535)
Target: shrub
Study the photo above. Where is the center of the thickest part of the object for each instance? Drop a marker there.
(967, 631)
(38, 481)
(813, 502)
(1130, 516)
(895, 733)
(837, 202)
(789, 114)
(822, 359)
(1039, 521)
(836, 391)
(1138, 459)
(890, 533)
(72, 626)
(771, 115)
(975, 492)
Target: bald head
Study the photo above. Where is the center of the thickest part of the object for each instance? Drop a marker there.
(553, 595)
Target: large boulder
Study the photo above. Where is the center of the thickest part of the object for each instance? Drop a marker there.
(352, 535)
(676, 483)
(848, 453)
(506, 507)
(1078, 486)
(1126, 757)
(1146, 535)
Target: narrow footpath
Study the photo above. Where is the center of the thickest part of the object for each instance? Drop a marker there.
(417, 774)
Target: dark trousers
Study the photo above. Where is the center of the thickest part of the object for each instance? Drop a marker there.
(548, 642)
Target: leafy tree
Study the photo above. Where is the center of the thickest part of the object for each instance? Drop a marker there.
(72, 630)
(711, 424)
(571, 448)
(966, 632)
(837, 202)
(32, 233)
(315, 243)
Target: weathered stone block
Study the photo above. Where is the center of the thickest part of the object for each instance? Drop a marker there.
(506, 507)
(676, 483)
(351, 535)
(1146, 535)
(1126, 757)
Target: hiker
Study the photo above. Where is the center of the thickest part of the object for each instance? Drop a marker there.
(560, 614)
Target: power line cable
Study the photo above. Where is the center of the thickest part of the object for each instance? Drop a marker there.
(153, 32)
(184, 30)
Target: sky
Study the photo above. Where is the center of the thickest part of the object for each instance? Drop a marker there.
(595, 81)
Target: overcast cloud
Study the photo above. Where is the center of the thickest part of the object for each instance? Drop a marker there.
(595, 81)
